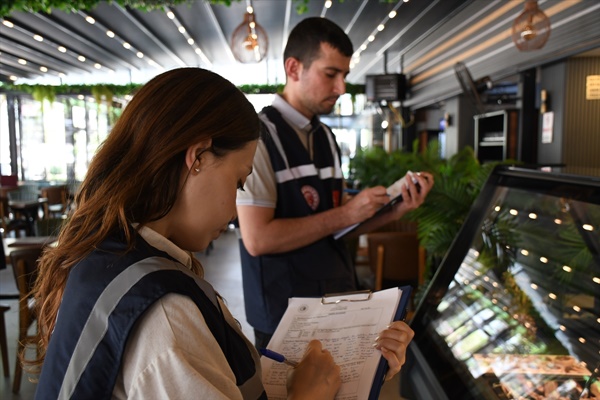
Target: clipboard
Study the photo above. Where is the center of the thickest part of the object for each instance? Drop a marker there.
(387, 207)
(382, 368)
(365, 295)
(394, 191)
(290, 341)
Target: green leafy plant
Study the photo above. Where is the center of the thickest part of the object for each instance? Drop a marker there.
(458, 181)
(8, 6)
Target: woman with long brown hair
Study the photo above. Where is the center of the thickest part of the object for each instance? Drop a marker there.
(123, 310)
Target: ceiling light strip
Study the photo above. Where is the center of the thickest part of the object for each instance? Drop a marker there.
(465, 29)
(77, 37)
(219, 30)
(150, 35)
(103, 29)
(355, 17)
(50, 43)
(379, 28)
(381, 51)
(326, 5)
(508, 46)
(286, 24)
(464, 43)
(492, 41)
(36, 54)
(182, 29)
(28, 65)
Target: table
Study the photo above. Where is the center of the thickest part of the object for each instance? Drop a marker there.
(29, 208)
(5, 190)
(13, 244)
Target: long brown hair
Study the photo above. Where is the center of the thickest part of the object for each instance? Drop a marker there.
(134, 176)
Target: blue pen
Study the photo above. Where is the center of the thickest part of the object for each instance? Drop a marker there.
(277, 357)
(352, 191)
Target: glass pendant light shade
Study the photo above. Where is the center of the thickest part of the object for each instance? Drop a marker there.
(249, 41)
(531, 29)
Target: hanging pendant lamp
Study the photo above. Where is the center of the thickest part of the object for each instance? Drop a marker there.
(531, 29)
(249, 42)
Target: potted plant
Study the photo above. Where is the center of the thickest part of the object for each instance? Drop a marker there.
(458, 181)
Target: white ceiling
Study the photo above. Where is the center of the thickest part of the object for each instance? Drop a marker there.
(211, 28)
(424, 40)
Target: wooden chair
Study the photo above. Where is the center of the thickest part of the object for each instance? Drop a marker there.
(24, 264)
(3, 344)
(396, 260)
(10, 223)
(58, 198)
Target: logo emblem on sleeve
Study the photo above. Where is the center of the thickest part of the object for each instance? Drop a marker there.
(311, 196)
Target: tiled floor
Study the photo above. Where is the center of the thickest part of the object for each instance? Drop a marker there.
(222, 269)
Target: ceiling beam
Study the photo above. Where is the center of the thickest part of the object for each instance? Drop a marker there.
(286, 25)
(219, 30)
(359, 11)
(106, 55)
(383, 49)
(13, 61)
(150, 35)
(30, 53)
(51, 44)
(173, 17)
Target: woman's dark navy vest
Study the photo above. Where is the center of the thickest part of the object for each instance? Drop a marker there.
(304, 187)
(85, 352)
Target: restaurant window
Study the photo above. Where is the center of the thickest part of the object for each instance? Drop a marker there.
(55, 141)
(4, 137)
(42, 141)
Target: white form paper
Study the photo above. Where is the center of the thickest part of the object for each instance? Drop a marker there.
(395, 193)
(347, 329)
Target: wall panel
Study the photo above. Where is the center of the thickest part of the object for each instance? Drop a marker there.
(582, 118)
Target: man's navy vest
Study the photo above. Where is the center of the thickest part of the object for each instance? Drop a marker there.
(105, 295)
(304, 187)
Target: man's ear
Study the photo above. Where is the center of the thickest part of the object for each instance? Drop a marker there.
(193, 155)
(293, 68)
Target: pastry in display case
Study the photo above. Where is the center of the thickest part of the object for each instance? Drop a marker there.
(513, 310)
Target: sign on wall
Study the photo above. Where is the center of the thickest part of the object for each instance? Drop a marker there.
(592, 87)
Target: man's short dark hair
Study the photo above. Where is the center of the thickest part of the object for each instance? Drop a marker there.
(304, 42)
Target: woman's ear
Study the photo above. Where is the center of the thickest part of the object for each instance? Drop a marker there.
(193, 155)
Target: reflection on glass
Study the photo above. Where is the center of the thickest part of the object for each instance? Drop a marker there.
(522, 312)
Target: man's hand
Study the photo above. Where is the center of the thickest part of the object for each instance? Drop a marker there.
(365, 204)
(413, 197)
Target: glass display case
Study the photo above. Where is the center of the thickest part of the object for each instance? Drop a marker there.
(513, 311)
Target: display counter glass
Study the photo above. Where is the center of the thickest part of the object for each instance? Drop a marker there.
(513, 312)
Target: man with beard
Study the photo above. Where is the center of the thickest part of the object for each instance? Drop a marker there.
(294, 200)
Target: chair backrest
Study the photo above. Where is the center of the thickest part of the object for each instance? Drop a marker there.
(55, 194)
(25, 192)
(394, 256)
(9, 180)
(24, 263)
(4, 210)
(2, 254)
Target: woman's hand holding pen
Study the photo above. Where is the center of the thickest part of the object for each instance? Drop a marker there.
(392, 342)
(316, 376)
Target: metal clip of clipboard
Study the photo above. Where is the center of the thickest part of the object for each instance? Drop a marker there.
(336, 298)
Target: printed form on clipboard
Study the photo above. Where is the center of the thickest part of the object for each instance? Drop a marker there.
(347, 325)
(395, 193)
